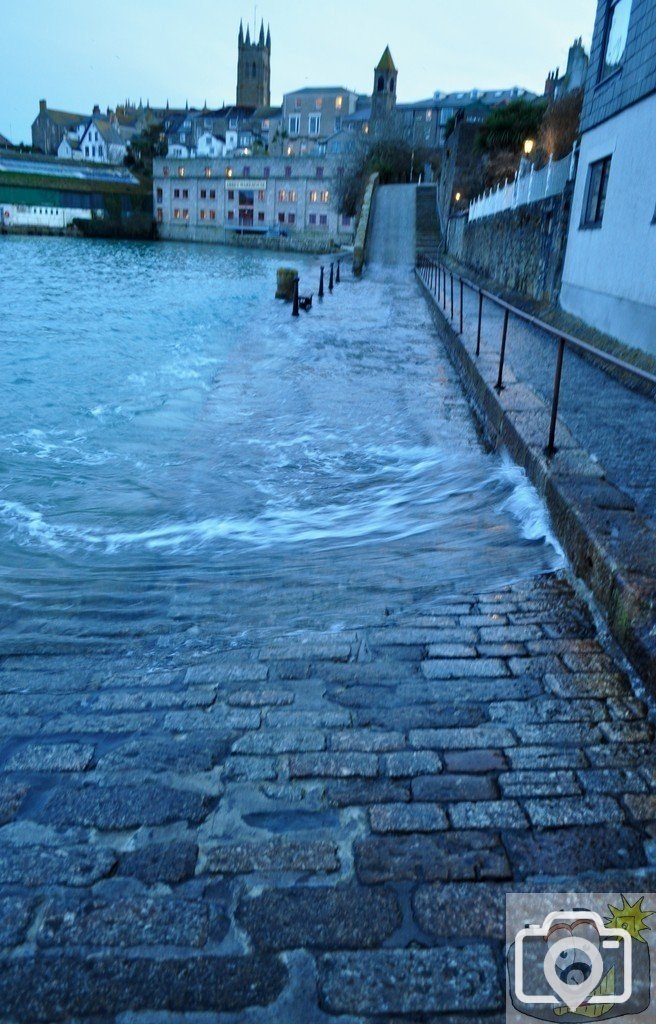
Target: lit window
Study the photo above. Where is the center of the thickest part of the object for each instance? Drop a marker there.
(314, 122)
(181, 172)
(293, 196)
(228, 172)
(282, 196)
(429, 115)
(208, 172)
(595, 193)
(365, 128)
(339, 102)
(176, 215)
(212, 214)
(314, 197)
(185, 214)
(325, 197)
(202, 214)
(617, 29)
(318, 103)
(290, 150)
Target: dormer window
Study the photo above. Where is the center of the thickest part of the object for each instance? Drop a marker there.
(617, 30)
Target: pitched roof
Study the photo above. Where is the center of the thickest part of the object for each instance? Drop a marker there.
(106, 130)
(64, 117)
(386, 62)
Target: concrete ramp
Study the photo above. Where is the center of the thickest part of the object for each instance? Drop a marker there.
(392, 235)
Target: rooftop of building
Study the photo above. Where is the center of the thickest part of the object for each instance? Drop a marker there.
(386, 62)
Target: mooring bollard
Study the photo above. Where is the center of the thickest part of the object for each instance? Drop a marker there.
(321, 284)
(331, 279)
(338, 276)
(295, 306)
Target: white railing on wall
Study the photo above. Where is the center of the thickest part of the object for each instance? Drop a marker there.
(529, 186)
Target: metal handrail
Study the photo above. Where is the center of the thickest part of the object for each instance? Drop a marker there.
(434, 273)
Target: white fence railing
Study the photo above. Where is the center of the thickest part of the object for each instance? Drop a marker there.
(529, 186)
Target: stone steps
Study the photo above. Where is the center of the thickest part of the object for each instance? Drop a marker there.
(429, 235)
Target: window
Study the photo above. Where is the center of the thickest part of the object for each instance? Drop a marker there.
(314, 196)
(176, 214)
(228, 172)
(267, 172)
(294, 124)
(208, 172)
(291, 218)
(318, 103)
(346, 221)
(160, 195)
(176, 193)
(260, 216)
(323, 220)
(185, 214)
(86, 151)
(313, 218)
(212, 193)
(297, 103)
(314, 122)
(203, 193)
(617, 29)
(293, 195)
(288, 172)
(339, 100)
(160, 216)
(261, 196)
(93, 151)
(231, 214)
(247, 172)
(281, 218)
(282, 196)
(183, 137)
(212, 214)
(202, 214)
(595, 193)
(319, 172)
(181, 172)
(165, 172)
(185, 193)
(381, 84)
(325, 197)
(338, 124)
(231, 194)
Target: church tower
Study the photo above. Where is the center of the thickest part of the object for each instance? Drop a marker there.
(254, 69)
(383, 100)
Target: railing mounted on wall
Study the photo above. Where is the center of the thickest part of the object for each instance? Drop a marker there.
(434, 274)
(529, 186)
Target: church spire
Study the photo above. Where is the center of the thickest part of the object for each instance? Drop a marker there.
(268, 39)
(241, 32)
(248, 35)
(261, 39)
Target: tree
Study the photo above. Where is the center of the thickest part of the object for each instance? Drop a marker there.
(393, 160)
(144, 148)
(560, 126)
(507, 128)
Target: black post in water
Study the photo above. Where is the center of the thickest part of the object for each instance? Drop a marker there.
(439, 284)
(451, 294)
(295, 306)
(480, 322)
(551, 447)
(444, 288)
(499, 383)
(461, 309)
(321, 284)
(338, 276)
(331, 279)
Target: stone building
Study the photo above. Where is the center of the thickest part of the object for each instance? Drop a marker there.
(609, 278)
(314, 114)
(558, 85)
(212, 200)
(50, 126)
(254, 69)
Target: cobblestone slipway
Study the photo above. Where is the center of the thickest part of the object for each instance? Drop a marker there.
(319, 827)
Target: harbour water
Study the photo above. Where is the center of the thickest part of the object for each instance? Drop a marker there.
(179, 458)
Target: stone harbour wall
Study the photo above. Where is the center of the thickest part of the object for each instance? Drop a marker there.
(521, 250)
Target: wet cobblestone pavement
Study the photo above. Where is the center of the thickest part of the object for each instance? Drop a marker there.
(323, 827)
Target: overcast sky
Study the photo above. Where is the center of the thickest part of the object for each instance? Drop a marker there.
(75, 53)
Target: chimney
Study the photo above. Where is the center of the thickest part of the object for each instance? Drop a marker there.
(96, 110)
(43, 106)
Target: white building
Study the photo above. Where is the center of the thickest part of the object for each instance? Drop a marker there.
(101, 142)
(609, 276)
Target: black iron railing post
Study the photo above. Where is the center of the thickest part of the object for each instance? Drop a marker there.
(331, 279)
(295, 306)
(321, 284)
(439, 283)
(480, 322)
(338, 277)
(451, 273)
(499, 383)
(551, 447)
(444, 289)
(462, 288)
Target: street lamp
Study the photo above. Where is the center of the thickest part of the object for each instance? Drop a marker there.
(458, 196)
(529, 146)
